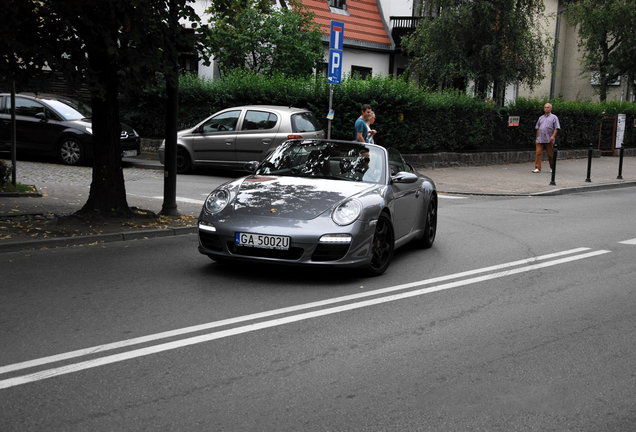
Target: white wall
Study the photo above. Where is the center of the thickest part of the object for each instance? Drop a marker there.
(378, 62)
(396, 8)
(199, 7)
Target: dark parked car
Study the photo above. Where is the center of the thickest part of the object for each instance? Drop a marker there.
(321, 203)
(55, 126)
(234, 136)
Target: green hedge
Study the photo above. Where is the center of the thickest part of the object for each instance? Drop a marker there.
(408, 117)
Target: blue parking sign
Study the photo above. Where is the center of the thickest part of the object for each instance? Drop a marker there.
(335, 66)
(335, 52)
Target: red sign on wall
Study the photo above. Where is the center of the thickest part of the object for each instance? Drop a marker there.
(513, 121)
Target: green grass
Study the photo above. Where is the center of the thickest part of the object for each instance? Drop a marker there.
(18, 187)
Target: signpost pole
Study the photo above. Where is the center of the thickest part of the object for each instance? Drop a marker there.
(14, 140)
(330, 108)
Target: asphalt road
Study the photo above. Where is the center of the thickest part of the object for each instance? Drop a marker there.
(520, 317)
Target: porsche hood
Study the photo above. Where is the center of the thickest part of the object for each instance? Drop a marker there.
(292, 197)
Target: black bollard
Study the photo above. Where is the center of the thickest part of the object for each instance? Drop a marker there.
(620, 164)
(554, 161)
(589, 164)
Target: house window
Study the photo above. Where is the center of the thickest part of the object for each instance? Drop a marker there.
(322, 70)
(426, 8)
(189, 64)
(596, 80)
(338, 6)
(361, 72)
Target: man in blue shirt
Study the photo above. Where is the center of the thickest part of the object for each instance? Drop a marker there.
(361, 123)
(547, 128)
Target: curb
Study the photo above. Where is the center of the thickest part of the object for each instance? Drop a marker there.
(58, 242)
(582, 189)
(144, 163)
(37, 193)
(553, 192)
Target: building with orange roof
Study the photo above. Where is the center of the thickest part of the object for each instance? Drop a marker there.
(369, 47)
(373, 30)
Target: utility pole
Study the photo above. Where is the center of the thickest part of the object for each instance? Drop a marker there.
(169, 207)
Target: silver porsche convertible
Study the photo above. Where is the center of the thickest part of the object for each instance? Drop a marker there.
(321, 203)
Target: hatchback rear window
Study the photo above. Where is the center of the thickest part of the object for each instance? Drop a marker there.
(305, 122)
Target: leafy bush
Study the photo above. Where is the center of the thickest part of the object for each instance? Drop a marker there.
(5, 172)
(409, 117)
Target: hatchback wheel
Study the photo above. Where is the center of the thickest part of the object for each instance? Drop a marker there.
(70, 151)
(184, 164)
(383, 246)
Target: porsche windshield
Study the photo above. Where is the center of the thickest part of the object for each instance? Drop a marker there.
(326, 159)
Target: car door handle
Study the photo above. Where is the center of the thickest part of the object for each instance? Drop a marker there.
(267, 141)
(229, 142)
(418, 193)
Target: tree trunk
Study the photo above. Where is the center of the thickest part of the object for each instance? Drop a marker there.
(499, 93)
(481, 89)
(107, 196)
(603, 89)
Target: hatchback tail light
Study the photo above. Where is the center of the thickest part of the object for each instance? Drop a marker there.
(294, 137)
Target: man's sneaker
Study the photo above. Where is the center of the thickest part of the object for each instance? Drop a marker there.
(536, 170)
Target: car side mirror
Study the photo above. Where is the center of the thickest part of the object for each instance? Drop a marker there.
(404, 177)
(40, 116)
(251, 166)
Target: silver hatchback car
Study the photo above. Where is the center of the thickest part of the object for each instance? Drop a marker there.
(234, 136)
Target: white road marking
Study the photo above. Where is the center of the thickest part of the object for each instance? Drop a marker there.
(49, 373)
(194, 201)
(178, 199)
(230, 321)
(185, 200)
(629, 242)
(451, 196)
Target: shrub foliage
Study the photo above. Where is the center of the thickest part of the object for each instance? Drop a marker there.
(410, 118)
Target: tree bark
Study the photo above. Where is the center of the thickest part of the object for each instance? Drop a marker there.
(107, 197)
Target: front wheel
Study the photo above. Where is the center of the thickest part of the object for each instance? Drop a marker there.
(430, 226)
(382, 247)
(70, 151)
(184, 164)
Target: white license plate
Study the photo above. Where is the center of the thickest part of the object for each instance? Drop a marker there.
(262, 241)
(130, 153)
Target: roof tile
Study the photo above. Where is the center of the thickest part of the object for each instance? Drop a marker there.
(364, 24)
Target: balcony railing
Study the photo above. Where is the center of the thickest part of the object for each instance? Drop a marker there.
(402, 26)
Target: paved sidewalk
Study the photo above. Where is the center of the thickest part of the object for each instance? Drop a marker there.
(498, 180)
(518, 179)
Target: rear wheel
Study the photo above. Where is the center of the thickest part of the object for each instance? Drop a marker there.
(382, 247)
(430, 227)
(184, 164)
(70, 151)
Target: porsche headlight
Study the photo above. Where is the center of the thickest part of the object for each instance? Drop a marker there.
(216, 201)
(347, 212)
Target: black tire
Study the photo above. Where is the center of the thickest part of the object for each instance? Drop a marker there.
(184, 164)
(70, 151)
(430, 225)
(383, 246)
